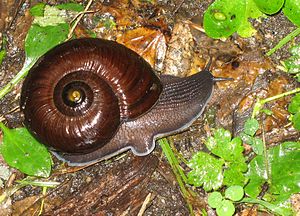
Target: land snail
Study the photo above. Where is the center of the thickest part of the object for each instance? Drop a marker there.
(90, 99)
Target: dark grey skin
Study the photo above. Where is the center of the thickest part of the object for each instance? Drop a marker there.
(181, 102)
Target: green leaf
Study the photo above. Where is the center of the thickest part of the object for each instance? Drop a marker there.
(295, 50)
(38, 9)
(232, 152)
(246, 138)
(234, 193)
(71, 6)
(293, 63)
(39, 40)
(226, 208)
(24, 152)
(2, 55)
(206, 171)
(222, 145)
(52, 17)
(296, 121)
(292, 11)
(257, 146)
(297, 77)
(252, 10)
(251, 126)
(221, 136)
(214, 199)
(246, 29)
(269, 6)
(234, 174)
(47, 32)
(223, 17)
(284, 162)
(285, 209)
(294, 106)
(257, 176)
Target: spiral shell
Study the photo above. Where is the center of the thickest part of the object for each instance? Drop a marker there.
(76, 95)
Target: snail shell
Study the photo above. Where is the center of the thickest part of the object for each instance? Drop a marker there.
(89, 99)
(76, 96)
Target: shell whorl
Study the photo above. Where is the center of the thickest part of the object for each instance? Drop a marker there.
(77, 94)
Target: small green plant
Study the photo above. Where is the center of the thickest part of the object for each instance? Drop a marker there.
(294, 109)
(292, 64)
(292, 67)
(293, 106)
(279, 169)
(19, 148)
(50, 27)
(224, 17)
(22, 151)
(33, 181)
(2, 50)
(225, 166)
(248, 136)
(224, 204)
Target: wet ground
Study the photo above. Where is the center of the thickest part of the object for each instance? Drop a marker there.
(175, 44)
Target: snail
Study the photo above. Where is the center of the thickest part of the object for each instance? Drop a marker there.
(90, 99)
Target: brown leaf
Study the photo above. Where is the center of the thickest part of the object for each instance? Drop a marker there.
(148, 43)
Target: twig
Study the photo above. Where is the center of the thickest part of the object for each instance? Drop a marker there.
(178, 7)
(145, 203)
(79, 17)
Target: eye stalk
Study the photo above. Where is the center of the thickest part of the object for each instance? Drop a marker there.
(216, 79)
(219, 79)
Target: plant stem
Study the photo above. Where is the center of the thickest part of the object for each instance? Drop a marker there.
(180, 176)
(286, 39)
(22, 73)
(260, 103)
(276, 97)
(266, 157)
(44, 192)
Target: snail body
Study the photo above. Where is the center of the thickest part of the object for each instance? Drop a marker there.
(90, 99)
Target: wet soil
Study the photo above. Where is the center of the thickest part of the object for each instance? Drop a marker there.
(181, 49)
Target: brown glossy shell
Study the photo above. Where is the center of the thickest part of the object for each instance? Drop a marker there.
(117, 84)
